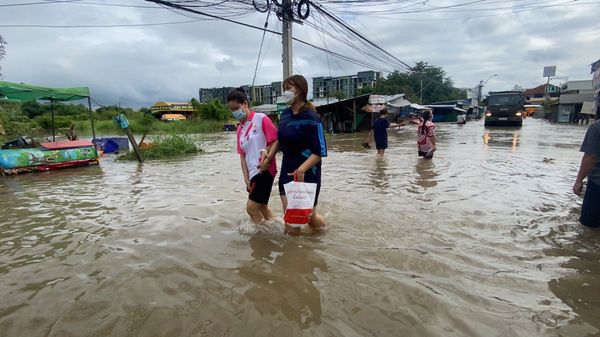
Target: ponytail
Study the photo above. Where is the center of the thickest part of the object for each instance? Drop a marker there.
(426, 116)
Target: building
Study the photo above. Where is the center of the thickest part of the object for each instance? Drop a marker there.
(172, 110)
(206, 95)
(262, 94)
(537, 95)
(573, 96)
(344, 86)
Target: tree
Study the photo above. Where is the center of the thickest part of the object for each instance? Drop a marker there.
(423, 80)
(365, 91)
(340, 95)
(211, 111)
(197, 108)
(2, 51)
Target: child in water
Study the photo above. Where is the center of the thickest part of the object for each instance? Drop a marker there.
(379, 132)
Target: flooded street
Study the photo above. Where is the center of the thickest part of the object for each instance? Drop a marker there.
(481, 241)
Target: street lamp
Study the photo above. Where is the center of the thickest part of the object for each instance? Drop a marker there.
(481, 84)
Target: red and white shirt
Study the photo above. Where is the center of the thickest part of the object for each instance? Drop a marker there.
(424, 136)
(255, 134)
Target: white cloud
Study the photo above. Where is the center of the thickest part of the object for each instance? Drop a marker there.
(140, 65)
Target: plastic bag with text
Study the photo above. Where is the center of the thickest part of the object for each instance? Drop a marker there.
(301, 199)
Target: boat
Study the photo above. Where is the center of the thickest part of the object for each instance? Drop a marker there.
(48, 156)
(22, 155)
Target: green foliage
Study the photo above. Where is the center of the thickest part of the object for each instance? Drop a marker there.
(437, 87)
(34, 109)
(214, 111)
(14, 123)
(167, 146)
(365, 91)
(30, 118)
(340, 95)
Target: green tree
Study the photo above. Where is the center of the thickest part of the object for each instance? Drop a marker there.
(197, 108)
(340, 95)
(214, 110)
(429, 82)
(365, 91)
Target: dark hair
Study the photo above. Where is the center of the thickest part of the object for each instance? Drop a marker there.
(383, 111)
(238, 95)
(426, 116)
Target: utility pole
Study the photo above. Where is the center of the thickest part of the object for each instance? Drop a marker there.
(287, 17)
(479, 89)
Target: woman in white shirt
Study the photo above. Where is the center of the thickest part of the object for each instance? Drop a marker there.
(257, 146)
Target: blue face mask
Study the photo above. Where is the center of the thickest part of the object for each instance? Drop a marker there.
(238, 114)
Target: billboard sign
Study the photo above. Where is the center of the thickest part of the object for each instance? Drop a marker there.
(549, 71)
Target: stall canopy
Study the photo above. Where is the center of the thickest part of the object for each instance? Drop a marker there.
(26, 92)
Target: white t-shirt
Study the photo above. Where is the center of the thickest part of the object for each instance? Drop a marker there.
(255, 134)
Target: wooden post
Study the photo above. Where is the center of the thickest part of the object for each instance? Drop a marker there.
(134, 144)
(92, 118)
(354, 126)
(52, 111)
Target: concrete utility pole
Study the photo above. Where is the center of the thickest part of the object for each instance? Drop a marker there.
(480, 88)
(287, 17)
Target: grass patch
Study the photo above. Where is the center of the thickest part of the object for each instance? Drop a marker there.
(166, 147)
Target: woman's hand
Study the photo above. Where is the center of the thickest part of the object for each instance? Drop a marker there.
(248, 186)
(298, 176)
(264, 164)
(578, 188)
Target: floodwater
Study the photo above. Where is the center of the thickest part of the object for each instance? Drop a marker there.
(481, 241)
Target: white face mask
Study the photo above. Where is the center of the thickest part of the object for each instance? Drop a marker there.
(288, 96)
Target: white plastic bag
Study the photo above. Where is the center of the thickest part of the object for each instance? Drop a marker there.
(301, 200)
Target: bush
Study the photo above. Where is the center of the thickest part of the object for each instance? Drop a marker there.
(166, 146)
(13, 122)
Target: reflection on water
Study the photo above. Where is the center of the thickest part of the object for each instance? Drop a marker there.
(426, 173)
(577, 286)
(378, 177)
(482, 240)
(502, 137)
(282, 277)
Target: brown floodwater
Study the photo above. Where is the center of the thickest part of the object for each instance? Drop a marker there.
(481, 241)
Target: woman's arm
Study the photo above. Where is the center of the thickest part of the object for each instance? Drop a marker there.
(587, 163)
(245, 171)
(307, 165)
(271, 153)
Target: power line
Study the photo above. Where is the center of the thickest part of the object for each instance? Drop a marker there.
(262, 41)
(102, 26)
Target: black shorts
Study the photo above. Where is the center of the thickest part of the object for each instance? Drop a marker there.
(285, 181)
(424, 154)
(590, 212)
(261, 186)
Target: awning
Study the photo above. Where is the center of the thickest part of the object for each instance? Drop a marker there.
(26, 92)
(419, 107)
(587, 108)
(399, 103)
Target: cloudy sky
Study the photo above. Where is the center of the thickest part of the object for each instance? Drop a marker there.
(138, 65)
